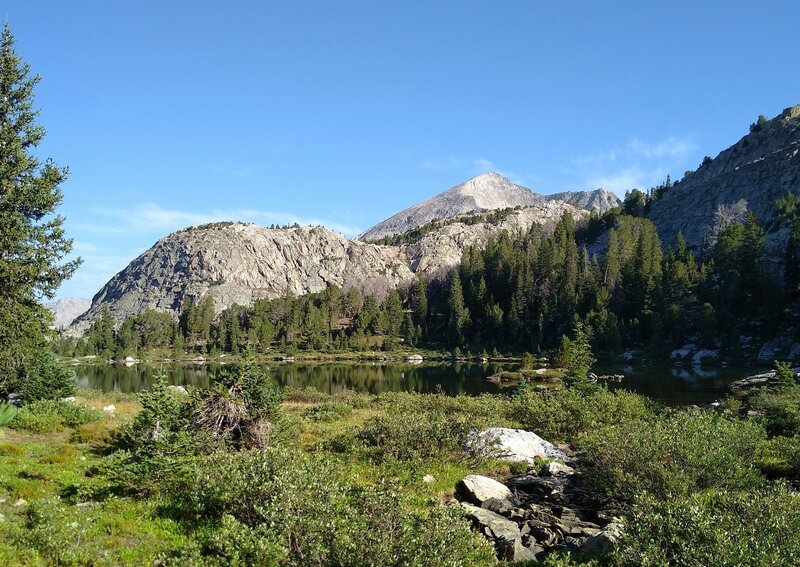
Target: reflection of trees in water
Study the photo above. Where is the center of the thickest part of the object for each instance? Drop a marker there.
(329, 377)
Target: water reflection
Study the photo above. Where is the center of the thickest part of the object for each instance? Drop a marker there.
(671, 385)
(452, 379)
(679, 385)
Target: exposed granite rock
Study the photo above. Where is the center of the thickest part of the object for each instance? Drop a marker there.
(440, 250)
(512, 445)
(756, 171)
(599, 199)
(239, 263)
(486, 192)
(66, 309)
(544, 514)
(478, 489)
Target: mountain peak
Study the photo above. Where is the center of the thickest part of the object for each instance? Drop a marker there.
(487, 191)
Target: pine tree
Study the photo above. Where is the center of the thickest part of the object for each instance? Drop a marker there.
(32, 240)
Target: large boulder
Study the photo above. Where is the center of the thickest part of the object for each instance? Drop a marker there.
(516, 445)
(478, 489)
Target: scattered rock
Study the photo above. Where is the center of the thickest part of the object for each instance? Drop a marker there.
(179, 390)
(703, 355)
(773, 349)
(414, 359)
(70, 399)
(544, 514)
(516, 445)
(428, 479)
(604, 541)
(683, 352)
(493, 525)
(110, 408)
(20, 502)
(554, 468)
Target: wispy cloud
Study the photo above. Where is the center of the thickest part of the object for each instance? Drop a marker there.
(150, 218)
(638, 164)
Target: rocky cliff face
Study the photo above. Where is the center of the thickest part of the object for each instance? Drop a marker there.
(440, 250)
(239, 263)
(749, 176)
(599, 199)
(66, 309)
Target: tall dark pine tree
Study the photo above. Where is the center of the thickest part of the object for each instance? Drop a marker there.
(32, 240)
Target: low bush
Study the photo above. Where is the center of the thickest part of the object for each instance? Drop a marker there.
(303, 508)
(717, 527)
(329, 411)
(43, 416)
(414, 436)
(780, 409)
(780, 457)
(679, 454)
(561, 414)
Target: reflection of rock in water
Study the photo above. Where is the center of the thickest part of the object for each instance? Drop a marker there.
(682, 374)
(694, 374)
(705, 372)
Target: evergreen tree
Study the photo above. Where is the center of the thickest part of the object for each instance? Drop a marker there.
(580, 359)
(459, 313)
(32, 240)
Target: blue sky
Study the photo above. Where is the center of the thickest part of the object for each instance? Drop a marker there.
(342, 113)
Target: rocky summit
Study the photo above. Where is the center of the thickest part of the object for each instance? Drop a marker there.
(750, 176)
(486, 192)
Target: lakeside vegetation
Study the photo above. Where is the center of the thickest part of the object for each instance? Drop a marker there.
(337, 479)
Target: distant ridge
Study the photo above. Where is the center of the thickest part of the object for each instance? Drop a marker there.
(488, 191)
(600, 200)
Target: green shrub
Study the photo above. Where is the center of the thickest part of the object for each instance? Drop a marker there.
(684, 452)
(7, 413)
(240, 410)
(780, 457)
(303, 505)
(43, 416)
(713, 528)
(560, 415)
(156, 448)
(780, 409)
(329, 411)
(45, 379)
(414, 436)
(305, 395)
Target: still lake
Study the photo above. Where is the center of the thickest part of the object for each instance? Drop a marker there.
(672, 385)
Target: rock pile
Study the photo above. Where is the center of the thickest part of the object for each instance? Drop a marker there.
(531, 515)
